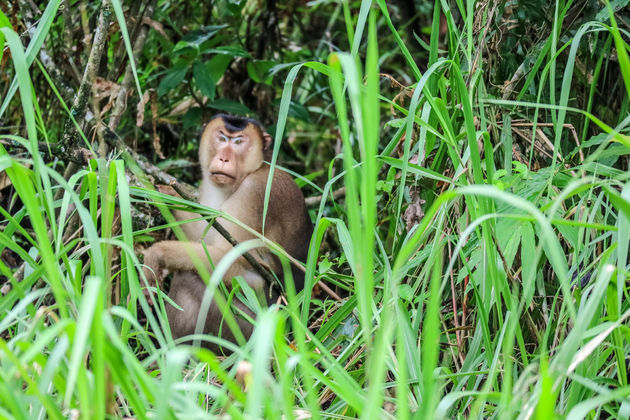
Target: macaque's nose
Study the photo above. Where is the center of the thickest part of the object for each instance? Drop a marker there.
(224, 156)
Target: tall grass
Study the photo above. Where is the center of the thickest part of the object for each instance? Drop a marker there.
(480, 309)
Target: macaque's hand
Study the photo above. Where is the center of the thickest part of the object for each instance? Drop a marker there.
(152, 271)
(168, 190)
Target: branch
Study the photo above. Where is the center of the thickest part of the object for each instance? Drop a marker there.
(314, 201)
(44, 56)
(69, 141)
(143, 163)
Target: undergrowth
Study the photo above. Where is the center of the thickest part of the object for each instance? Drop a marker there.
(479, 245)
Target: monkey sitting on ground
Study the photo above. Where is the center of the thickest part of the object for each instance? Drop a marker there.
(234, 180)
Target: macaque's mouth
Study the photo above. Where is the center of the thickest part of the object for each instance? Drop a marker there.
(222, 174)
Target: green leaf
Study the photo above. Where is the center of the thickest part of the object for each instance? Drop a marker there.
(192, 118)
(204, 81)
(183, 46)
(233, 51)
(415, 169)
(201, 35)
(235, 7)
(296, 110)
(618, 201)
(217, 65)
(406, 292)
(232, 107)
(258, 70)
(173, 77)
(120, 17)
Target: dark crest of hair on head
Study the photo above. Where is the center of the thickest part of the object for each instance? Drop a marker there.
(235, 123)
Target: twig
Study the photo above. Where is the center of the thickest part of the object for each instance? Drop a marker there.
(330, 291)
(316, 200)
(69, 141)
(147, 167)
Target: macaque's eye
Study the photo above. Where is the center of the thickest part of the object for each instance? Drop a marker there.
(222, 138)
(237, 140)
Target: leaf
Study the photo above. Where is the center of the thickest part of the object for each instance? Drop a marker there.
(192, 118)
(183, 46)
(618, 201)
(234, 51)
(258, 70)
(235, 9)
(194, 39)
(571, 234)
(299, 111)
(616, 5)
(204, 81)
(595, 140)
(415, 169)
(232, 107)
(406, 292)
(324, 265)
(217, 65)
(173, 77)
(201, 35)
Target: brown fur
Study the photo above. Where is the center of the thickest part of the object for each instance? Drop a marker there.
(234, 181)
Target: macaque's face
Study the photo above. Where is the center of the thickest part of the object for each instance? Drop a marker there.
(228, 157)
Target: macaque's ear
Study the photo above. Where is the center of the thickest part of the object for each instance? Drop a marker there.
(266, 139)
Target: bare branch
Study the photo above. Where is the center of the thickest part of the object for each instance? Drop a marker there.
(314, 201)
(70, 140)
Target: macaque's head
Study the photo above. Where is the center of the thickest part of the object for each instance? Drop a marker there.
(232, 148)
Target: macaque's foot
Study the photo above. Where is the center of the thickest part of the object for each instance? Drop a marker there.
(168, 190)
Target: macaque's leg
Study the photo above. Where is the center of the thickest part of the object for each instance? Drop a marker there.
(187, 291)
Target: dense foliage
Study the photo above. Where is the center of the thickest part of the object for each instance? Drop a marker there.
(466, 167)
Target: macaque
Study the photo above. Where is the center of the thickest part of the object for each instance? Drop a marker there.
(234, 179)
